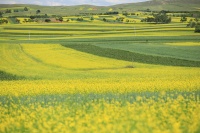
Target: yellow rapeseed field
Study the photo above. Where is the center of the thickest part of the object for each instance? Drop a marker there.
(170, 116)
(67, 91)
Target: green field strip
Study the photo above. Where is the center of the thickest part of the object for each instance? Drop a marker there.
(96, 25)
(91, 26)
(100, 29)
(119, 32)
(141, 39)
(81, 99)
(157, 48)
(151, 37)
(132, 56)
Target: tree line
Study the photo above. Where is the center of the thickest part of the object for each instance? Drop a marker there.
(161, 18)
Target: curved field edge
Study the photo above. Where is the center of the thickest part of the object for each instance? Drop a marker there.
(132, 56)
(9, 76)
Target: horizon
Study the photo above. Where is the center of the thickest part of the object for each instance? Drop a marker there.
(71, 2)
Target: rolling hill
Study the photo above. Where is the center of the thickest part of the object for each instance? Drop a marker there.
(157, 5)
(153, 5)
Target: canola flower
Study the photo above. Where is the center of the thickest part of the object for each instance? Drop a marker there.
(100, 105)
(173, 115)
(37, 87)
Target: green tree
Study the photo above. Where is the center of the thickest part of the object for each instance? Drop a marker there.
(92, 18)
(8, 11)
(120, 19)
(25, 20)
(32, 17)
(162, 18)
(197, 28)
(148, 10)
(196, 19)
(47, 20)
(2, 21)
(25, 9)
(125, 13)
(60, 19)
(38, 11)
(79, 19)
(191, 24)
(1, 14)
(18, 21)
(183, 19)
(16, 10)
(148, 19)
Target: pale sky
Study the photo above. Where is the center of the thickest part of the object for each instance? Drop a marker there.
(70, 2)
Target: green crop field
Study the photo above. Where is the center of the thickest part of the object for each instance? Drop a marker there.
(96, 76)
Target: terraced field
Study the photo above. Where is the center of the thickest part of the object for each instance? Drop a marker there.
(99, 77)
(88, 30)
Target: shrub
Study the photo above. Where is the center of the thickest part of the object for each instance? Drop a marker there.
(25, 9)
(197, 28)
(47, 20)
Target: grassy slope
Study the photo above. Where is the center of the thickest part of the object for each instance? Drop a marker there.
(175, 5)
(157, 5)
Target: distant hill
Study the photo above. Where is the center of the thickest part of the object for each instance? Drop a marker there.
(157, 5)
(153, 5)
